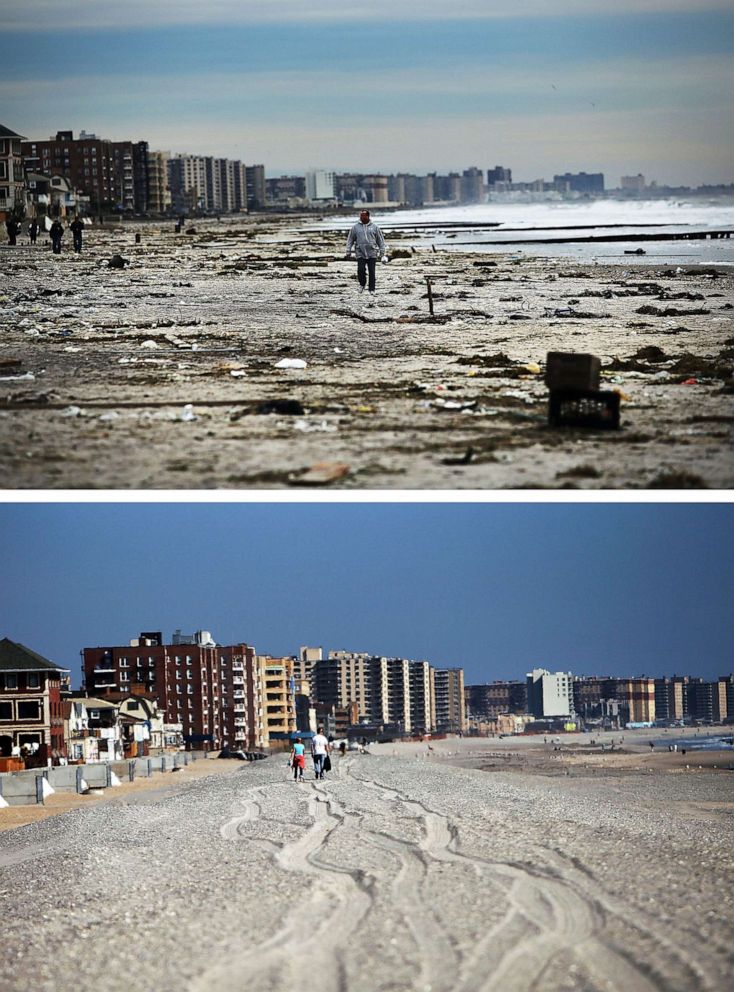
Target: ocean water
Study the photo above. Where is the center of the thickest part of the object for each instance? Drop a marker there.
(520, 226)
(695, 743)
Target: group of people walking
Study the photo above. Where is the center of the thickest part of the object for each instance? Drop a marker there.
(320, 754)
(56, 233)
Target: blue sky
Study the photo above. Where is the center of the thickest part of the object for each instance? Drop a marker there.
(496, 588)
(543, 88)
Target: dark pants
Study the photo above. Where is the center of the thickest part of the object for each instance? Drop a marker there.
(77, 242)
(318, 764)
(365, 265)
(32, 237)
(56, 245)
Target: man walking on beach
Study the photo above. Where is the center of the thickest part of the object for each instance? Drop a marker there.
(320, 748)
(57, 233)
(369, 245)
(76, 227)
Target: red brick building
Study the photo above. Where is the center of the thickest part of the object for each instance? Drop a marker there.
(212, 690)
(31, 715)
(113, 174)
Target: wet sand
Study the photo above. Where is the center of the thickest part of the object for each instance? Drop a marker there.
(398, 873)
(98, 366)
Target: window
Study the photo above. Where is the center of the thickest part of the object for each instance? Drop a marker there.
(33, 680)
(11, 681)
(6, 711)
(28, 710)
(179, 690)
(124, 663)
(124, 676)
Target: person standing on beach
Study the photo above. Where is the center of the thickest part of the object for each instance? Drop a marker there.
(320, 748)
(12, 227)
(33, 231)
(298, 760)
(56, 232)
(368, 243)
(76, 227)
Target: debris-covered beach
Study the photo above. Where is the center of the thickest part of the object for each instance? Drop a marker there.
(398, 873)
(237, 354)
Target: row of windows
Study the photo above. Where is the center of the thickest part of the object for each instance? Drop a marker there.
(20, 710)
(29, 680)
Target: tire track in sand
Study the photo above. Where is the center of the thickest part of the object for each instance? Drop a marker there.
(548, 915)
(316, 930)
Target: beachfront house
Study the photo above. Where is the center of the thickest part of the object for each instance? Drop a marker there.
(31, 718)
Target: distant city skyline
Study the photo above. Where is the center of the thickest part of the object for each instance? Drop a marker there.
(497, 589)
(394, 87)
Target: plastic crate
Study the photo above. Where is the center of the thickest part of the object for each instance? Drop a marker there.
(583, 408)
(567, 370)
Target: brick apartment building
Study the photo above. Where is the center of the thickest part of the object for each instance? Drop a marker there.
(113, 174)
(213, 691)
(31, 711)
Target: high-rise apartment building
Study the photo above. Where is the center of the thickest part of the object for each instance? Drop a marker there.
(550, 694)
(279, 694)
(215, 692)
(203, 183)
(256, 192)
(580, 182)
(495, 698)
(422, 698)
(320, 184)
(159, 192)
(113, 174)
(637, 698)
(448, 691)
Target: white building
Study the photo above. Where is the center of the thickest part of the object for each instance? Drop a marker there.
(550, 694)
(320, 185)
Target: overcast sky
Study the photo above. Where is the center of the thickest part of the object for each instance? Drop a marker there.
(393, 85)
(495, 588)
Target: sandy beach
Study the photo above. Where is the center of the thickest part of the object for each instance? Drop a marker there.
(164, 374)
(399, 872)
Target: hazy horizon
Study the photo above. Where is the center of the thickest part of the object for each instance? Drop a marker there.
(536, 88)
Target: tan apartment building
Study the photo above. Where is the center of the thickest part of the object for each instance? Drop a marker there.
(638, 696)
(278, 694)
(448, 689)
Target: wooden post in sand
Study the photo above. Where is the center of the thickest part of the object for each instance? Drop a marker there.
(430, 295)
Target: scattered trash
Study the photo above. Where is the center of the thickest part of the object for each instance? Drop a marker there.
(238, 373)
(25, 377)
(320, 474)
(72, 411)
(454, 404)
(188, 413)
(112, 415)
(291, 363)
(532, 367)
(689, 382)
(150, 343)
(118, 262)
(72, 348)
(312, 427)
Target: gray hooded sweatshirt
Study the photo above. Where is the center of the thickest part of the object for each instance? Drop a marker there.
(367, 240)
